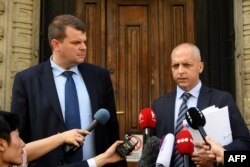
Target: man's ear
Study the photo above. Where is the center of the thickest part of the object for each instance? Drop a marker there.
(3, 144)
(201, 67)
(54, 43)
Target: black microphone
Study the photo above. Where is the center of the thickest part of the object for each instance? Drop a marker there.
(101, 116)
(196, 120)
(150, 152)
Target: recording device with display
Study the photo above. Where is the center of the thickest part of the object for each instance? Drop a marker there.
(127, 146)
(100, 117)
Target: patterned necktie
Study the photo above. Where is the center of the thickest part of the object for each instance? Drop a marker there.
(72, 113)
(177, 158)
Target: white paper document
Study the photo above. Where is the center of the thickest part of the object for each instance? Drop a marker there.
(217, 126)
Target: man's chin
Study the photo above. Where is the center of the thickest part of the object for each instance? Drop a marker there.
(183, 86)
(80, 60)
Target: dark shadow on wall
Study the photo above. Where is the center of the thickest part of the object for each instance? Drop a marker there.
(50, 9)
(215, 37)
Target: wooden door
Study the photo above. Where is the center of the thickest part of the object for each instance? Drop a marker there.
(131, 56)
(140, 37)
(133, 39)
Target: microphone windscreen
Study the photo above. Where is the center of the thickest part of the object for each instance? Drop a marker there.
(102, 116)
(184, 142)
(150, 152)
(195, 118)
(147, 118)
(165, 153)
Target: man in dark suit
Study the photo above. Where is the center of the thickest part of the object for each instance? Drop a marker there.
(38, 94)
(186, 67)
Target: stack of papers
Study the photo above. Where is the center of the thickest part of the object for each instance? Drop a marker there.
(217, 126)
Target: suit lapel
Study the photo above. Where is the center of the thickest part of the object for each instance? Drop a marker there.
(170, 103)
(204, 98)
(48, 84)
(89, 82)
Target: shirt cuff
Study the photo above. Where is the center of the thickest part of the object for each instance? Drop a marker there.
(91, 162)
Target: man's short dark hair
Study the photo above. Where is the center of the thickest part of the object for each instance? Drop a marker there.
(8, 123)
(58, 25)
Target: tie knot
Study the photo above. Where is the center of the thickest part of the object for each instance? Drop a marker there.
(68, 73)
(185, 96)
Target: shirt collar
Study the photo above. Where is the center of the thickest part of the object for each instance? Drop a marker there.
(194, 92)
(57, 70)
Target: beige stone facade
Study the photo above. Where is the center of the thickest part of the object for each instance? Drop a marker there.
(19, 42)
(19, 47)
(242, 56)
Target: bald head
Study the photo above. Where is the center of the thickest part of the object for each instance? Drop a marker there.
(189, 48)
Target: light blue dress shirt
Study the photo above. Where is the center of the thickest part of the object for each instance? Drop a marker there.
(84, 104)
(192, 101)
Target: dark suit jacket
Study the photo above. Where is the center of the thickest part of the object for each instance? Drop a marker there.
(35, 99)
(77, 164)
(164, 108)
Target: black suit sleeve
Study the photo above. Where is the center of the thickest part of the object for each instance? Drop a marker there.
(240, 132)
(112, 125)
(19, 105)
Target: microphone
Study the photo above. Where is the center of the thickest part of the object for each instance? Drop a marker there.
(149, 152)
(147, 121)
(196, 120)
(165, 153)
(101, 117)
(185, 145)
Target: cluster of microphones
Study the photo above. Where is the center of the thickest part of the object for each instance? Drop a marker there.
(156, 152)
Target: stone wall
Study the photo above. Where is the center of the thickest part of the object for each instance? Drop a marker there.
(242, 56)
(19, 42)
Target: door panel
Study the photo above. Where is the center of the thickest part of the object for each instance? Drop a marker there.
(128, 55)
(92, 12)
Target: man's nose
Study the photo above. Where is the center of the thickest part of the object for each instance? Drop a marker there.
(83, 46)
(181, 69)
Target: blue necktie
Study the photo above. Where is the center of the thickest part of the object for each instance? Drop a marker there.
(178, 160)
(72, 113)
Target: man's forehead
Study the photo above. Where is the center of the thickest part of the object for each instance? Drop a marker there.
(182, 60)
